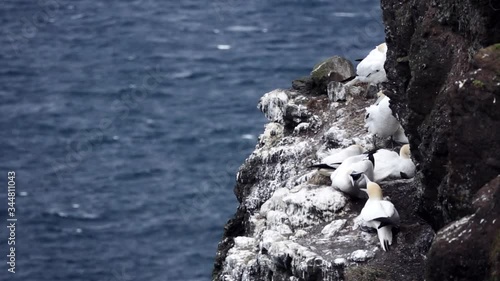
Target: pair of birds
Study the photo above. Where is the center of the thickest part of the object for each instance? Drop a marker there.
(379, 119)
(378, 165)
(353, 168)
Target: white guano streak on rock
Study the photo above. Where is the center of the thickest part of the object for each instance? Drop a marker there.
(273, 105)
(453, 229)
(283, 208)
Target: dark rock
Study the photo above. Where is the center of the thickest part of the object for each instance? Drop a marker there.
(469, 249)
(333, 69)
(296, 114)
(371, 92)
(303, 85)
(444, 86)
(233, 228)
(337, 91)
(451, 121)
(283, 106)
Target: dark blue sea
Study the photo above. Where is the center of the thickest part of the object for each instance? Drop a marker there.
(125, 123)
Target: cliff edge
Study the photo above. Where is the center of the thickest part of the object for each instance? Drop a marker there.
(443, 66)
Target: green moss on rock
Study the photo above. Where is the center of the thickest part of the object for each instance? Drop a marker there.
(337, 68)
(478, 83)
(332, 69)
(495, 258)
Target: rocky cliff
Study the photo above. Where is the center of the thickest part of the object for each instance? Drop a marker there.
(444, 81)
(444, 67)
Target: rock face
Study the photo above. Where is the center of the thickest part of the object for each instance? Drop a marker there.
(444, 83)
(445, 90)
(473, 242)
(291, 224)
(444, 72)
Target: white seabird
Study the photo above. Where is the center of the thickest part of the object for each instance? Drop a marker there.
(380, 121)
(392, 165)
(380, 214)
(332, 162)
(400, 136)
(346, 177)
(406, 166)
(371, 69)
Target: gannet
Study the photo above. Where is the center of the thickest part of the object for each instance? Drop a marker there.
(332, 162)
(345, 178)
(380, 214)
(400, 136)
(406, 166)
(371, 69)
(392, 165)
(379, 120)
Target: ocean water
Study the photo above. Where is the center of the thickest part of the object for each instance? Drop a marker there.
(126, 121)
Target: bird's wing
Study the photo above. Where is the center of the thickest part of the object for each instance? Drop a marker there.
(369, 68)
(391, 211)
(384, 106)
(371, 111)
(372, 63)
(381, 121)
(334, 158)
(322, 166)
(407, 167)
(381, 210)
(362, 166)
(386, 162)
(340, 156)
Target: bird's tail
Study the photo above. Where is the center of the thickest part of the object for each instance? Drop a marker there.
(350, 81)
(385, 237)
(370, 155)
(323, 166)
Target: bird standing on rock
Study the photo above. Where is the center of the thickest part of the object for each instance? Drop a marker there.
(380, 214)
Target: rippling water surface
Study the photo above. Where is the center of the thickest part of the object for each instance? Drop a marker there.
(126, 122)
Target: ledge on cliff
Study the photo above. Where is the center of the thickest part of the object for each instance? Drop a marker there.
(291, 225)
(444, 83)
